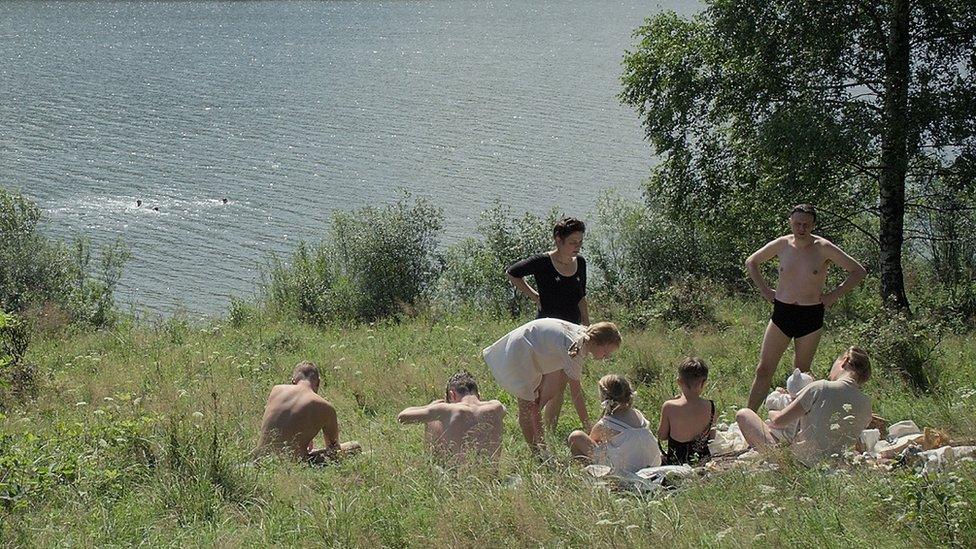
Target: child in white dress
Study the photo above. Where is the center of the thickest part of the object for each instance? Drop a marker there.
(621, 439)
(534, 360)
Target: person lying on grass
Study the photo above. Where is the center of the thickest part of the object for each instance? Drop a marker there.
(461, 424)
(536, 359)
(294, 414)
(832, 413)
(621, 439)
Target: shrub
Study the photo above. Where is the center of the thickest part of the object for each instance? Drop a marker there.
(17, 376)
(36, 271)
(905, 346)
(474, 272)
(640, 252)
(376, 262)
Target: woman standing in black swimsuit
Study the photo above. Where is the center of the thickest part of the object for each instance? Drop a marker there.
(560, 276)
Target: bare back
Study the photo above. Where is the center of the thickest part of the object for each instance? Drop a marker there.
(469, 426)
(293, 416)
(686, 419)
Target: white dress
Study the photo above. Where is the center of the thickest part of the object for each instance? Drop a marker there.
(631, 449)
(520, 358)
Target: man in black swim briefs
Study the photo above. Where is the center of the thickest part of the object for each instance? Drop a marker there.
(799, 300)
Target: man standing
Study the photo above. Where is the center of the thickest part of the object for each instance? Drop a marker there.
(462, 424)
(295, 413)
(799, 299)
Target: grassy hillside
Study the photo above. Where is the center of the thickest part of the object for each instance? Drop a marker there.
(141, 435)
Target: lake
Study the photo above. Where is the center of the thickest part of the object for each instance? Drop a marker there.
(293, 110)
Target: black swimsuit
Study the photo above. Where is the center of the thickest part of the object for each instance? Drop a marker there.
(692, 451)
(797, 320)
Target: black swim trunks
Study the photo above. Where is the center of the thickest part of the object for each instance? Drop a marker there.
(797, 320)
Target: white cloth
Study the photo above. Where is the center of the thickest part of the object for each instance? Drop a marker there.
(728, 440)
(631, 449)
(836, 413)
(520, 358)
(797, 381)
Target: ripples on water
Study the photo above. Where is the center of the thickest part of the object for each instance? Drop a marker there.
(292, 110)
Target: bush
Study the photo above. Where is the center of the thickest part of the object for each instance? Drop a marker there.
(376, 262)
(641, 253)
(474, 272)
(37, 271)
(905, 346)
(17, 376)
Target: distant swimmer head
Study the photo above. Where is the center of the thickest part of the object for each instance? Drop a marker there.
(224, 200)
(155, 208)
(138, 203)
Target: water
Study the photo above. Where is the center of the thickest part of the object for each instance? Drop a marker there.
(292, 110)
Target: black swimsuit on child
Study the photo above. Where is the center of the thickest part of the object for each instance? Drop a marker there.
(692, 451)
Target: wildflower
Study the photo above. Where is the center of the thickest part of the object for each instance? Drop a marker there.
(82, 403)
(834, 426)
(767, 490)
(198, 415)
(721, 534)
(847, 407)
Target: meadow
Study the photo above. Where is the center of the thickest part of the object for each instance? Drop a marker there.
(140, 434)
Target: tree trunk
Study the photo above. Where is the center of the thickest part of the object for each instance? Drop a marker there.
(894, 155)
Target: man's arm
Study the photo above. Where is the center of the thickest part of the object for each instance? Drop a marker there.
(330, 426)
(584, 308)
(856, 273)
(424, 414)
(579, 402)
(760, 256)
(793, 412)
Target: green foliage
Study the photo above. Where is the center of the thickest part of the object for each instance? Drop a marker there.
(37, 271)
(755, 106)
(905, 346)
(474, 272)
(940, 506)
(376, 262)
(642, 252)
(17, 374)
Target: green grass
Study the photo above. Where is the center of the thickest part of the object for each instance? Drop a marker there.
(140, 435)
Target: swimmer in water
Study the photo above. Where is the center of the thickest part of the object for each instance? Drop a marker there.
(138, 203)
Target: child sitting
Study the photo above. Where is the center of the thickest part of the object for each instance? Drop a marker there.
(621, 439)
(686, 421)
(780, 399)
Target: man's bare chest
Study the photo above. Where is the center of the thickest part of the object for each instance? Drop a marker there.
(802, 262)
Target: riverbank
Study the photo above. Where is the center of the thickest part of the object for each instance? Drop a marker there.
(140, 434)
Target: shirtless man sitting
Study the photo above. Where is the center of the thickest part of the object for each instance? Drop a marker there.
(462, 422)
(799, 299)
(295, 413)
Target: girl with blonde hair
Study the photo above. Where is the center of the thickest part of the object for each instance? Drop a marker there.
(536, 359)
(622, 438)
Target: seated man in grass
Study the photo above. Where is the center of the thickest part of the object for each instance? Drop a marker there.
(295, 413)
(831, 412)
(462, 423)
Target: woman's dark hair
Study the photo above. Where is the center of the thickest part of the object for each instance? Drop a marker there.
(567, 226)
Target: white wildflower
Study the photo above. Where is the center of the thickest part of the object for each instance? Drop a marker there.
(198, 415)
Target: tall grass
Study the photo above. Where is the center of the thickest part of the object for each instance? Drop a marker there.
(140, 437)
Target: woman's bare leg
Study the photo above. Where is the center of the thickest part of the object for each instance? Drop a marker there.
(530, 421)
(555, 405)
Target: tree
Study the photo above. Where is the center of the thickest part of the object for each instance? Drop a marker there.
(756, 104)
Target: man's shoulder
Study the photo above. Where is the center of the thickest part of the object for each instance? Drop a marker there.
(492, 407)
